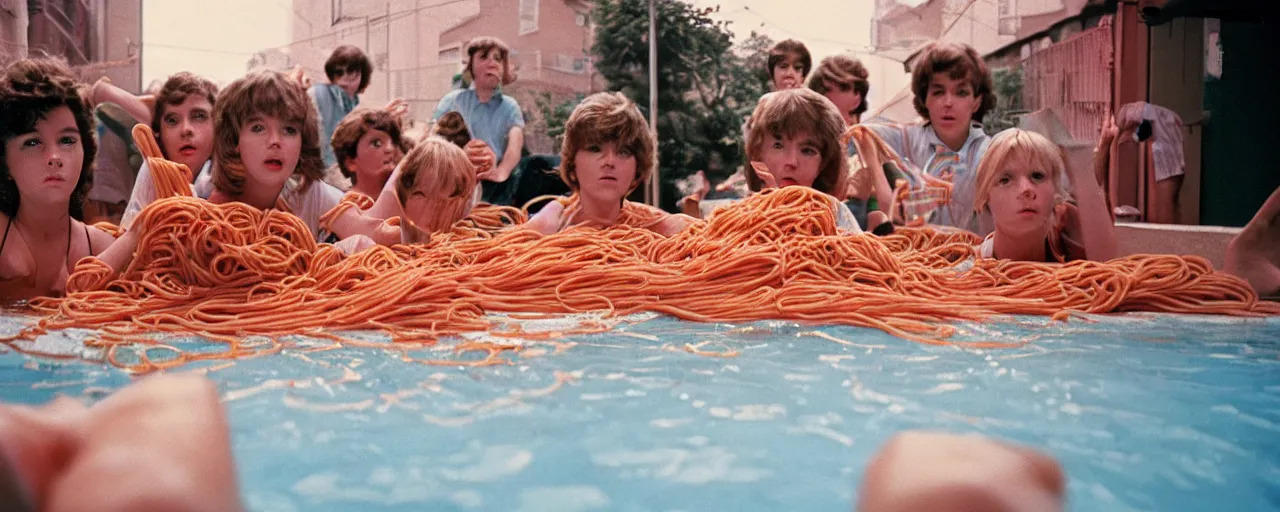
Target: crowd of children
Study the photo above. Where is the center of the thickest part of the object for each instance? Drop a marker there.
(266, 141)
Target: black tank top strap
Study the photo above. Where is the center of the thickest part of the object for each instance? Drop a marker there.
(5, 240)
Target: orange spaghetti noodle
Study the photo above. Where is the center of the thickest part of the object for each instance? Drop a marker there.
(230, 272)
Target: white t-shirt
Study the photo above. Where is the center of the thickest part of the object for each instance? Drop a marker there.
(144, 190)
(307, 204)
(310, 204)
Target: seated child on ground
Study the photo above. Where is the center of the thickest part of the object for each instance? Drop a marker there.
(608, 152)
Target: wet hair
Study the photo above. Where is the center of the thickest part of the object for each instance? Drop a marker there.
(348, 59)
(29, 90)
(792, 112)
(263, 93)
(842, 70)
(175, 91)
(453, 128)
(790, 48)
(1018, 143)
(959, 62)
(442, 168)
(362, 120)
(607, 117)
(483, 45)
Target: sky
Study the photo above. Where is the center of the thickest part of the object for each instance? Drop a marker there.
(213, 38)
(217, 38)
(826, 27)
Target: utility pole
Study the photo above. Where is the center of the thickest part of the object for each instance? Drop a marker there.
(652, 193)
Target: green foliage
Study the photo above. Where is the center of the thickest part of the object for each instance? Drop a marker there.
(706, 86)
(1008, 89)
(555, 115)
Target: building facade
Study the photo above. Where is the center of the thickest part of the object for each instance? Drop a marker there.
(417, 48)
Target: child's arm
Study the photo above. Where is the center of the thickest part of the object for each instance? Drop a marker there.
(691, 204)
(547, 220)
(673, 224)
(511, 158)
(144, 193)
(119, 255)
(1093, 225)
(877, 144)
(104, 91)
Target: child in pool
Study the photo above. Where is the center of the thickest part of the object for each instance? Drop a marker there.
(183, 125)
(47, 131)
(368, 220)
(368, 145)
(795, 140)
(267, 149)
(608, 152)
(1019, 185)
(433, 188)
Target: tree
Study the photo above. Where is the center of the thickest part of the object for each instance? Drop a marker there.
(1008, 90)
(556, 115)
(705, 85)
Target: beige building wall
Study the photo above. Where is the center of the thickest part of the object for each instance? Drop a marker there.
(13, 29)
(416, 47)
(121, 42)
(401, 38)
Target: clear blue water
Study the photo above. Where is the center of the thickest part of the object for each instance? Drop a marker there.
(1145, 413)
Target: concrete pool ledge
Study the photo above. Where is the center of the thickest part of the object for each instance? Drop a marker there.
(1209, 242)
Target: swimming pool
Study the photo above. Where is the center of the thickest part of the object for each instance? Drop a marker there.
(1146, 412)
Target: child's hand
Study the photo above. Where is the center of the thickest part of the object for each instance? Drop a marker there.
(767, 177)
(703, 185)
(161, 443)
(398, 108)
(299, 76)
(691, 204)
(932, 471)
(1108, 133)
(481, 157)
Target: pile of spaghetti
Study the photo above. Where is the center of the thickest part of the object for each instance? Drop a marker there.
(230, 273)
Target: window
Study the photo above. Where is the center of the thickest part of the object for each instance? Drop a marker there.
(528, 16)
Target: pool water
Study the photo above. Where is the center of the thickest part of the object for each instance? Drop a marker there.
(1146, 412)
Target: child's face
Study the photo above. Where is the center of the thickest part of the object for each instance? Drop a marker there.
(186, 131)
(845, 97)
(487, 68)
(793, 160)
(1022, 198)
(951, 103)
(605, 171)
(270, 149)
(46, 163)
(426, 211)
(786, 75)
(375, 157)
(349, 82)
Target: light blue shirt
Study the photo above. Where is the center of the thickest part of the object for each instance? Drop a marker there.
(920, 147)
(489, 121)
(334, 104)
